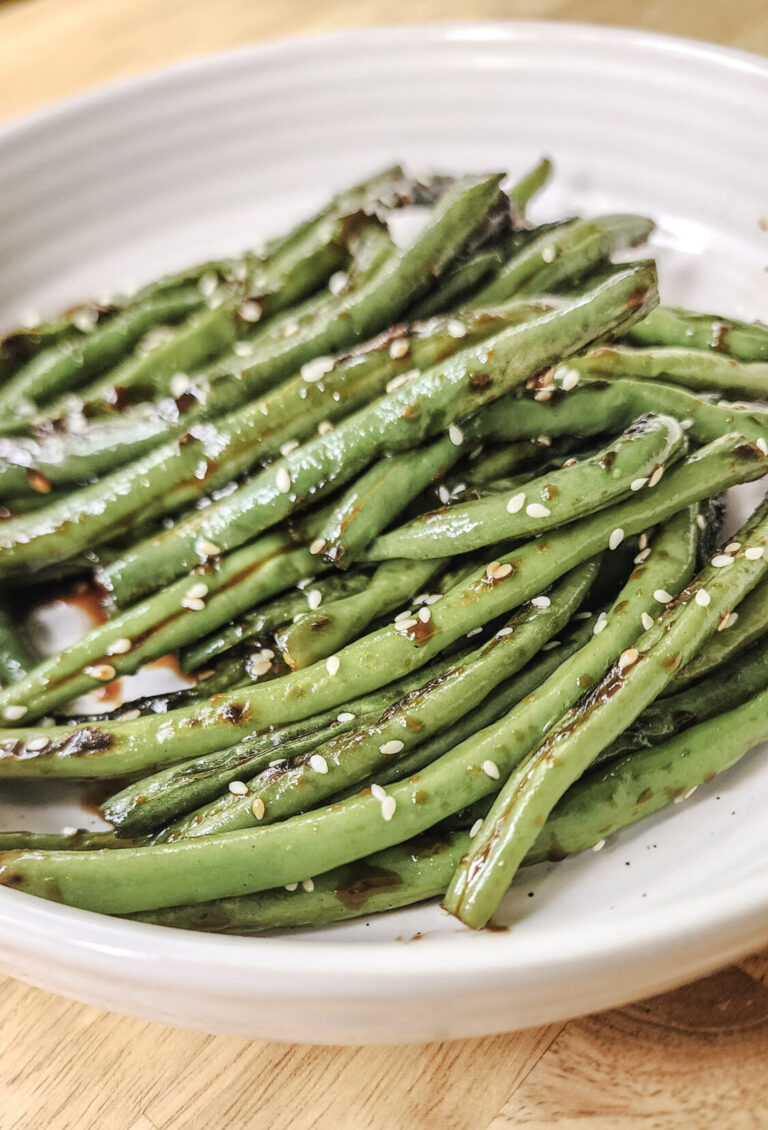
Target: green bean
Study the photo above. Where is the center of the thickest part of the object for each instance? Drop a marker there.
(696, 369)
(635, 680)
(383, 655)
(568, 253)
(552, 500)
(16, 656)
(336, 764)
(459, 284)
(398, 421)
(79, 840)
(736, 632)
(523, 190)
(317, 634)
(270, 615)
(672, 326)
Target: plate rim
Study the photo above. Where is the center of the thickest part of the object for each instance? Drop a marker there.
(740, 910)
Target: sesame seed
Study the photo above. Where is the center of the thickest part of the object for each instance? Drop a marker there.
(119, 647)
(392, 747)
(491, 769)
(308, 885)
(502, 632)
(637, 484)
(551, 645)
(324, 428)
(701, 521)
(283, 480)
(570, 379)
(289, 446)
(598, 846)
(259, 667)
(721, 560)
(642, 541)
(646, 620)
(489, 569)
(337, 282)
(257, 808)
(655, 477)
(84, 320)
(314, 598)
(179, 384)
(733, 547)
(291, 886)
(501, 571)
(475, 829)
(600, 624)
(207, 548)
(238, 788)
(427, 598)
(548, 254)
(37, 744)
(406, 614)
(516, 503)
(474, 632)
(727, 620)
(401, 379)
(318, 763)
(444, 495)
(642, 556)
(207, 284)
(130, 715)
(628, 658)
(545, 441)
(403, 625)
(424, 615)
(536, 510)
(616, 538)
(702, 598)
(242, 348)
(193, 603)
(345, 716)
(686, 424)
(754, 552)
(662, 596)
(317, 546)
(761, 445)
(388, 806)
(543, 394)
(101, 671)
(541, 602)
(312, 371)
(583, 616)
(332, 664)
(455, 435)
(198, 591)
(456, 328)
(399, 348)
(277, 761)
(250, 311)
(689, 794)
(570, 462)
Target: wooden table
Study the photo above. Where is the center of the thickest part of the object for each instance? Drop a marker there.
(693, 1058)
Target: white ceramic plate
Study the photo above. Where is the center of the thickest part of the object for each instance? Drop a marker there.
(208, 157)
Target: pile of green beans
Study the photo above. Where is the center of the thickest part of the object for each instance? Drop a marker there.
(433, 532)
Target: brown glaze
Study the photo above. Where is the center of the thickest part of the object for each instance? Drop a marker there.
(368, 880)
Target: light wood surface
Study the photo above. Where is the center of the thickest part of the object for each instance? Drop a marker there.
(694, 1058)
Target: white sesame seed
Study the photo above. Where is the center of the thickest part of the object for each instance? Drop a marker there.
(551, 645)
(583, 615)
(721, 560)
(392, 747)
(238, 788)
(754, 552)
(377, 792)
(318, 763)
(646, 620)
(332, 664)
(242, 348)
(491, 769)
(475, 829)
(406, 614)
(570, 462)
(628, 658)
(662, 596)
(314, 598)
(130, 715)
(455, 435)
(474, 632)
(600, 624)
(317, 546)
(198, 591)
(283, 480)
(84, 320)
(259, 667)
(686, 424)
(727, 620)
(424, 614)
(37, 744)
(598, 846)
(119, 647)
(291, 886)
(616, 538)
(642, 541)
(399, 348)
(257, 808)
(543, 394)
(324, 427)
(193, 603)
(733, 547)
(427, 598)
(277, 761)
(501, 571)
(401, 379)
(388, 806)
(337, 282)
(179, 384)
(702, 598)
(545, 441)
(489, 569)
(548, 254)
(761, 445)
(308, 885)
(207, 548)
(403, 625)
(536, 510)
(101, 671)
(444, 495)
(345, 716)
(655, 477)
(569, 380)
(637, 484)
(250, 311)
(541, 602)
(207, 284)
(642, 556)
(502, 632)
(689, 794)
(456, 328)
(312, 371)
(516, 503)
(289, 446)
(701, 521)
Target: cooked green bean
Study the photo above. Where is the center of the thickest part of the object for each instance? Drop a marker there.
(696, 369)
(672, 326)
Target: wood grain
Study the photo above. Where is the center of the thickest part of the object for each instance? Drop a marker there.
(693, 1058)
